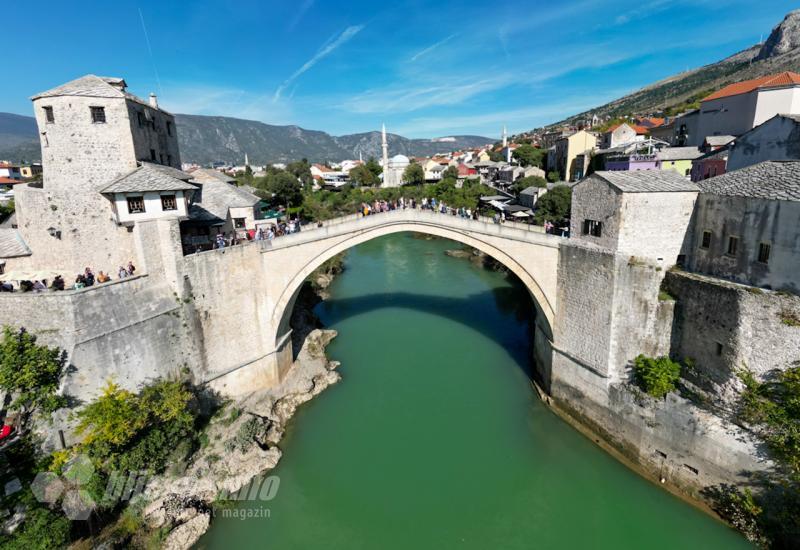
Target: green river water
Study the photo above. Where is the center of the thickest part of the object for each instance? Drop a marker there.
(434, 438)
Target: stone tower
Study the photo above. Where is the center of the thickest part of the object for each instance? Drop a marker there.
(92, 131)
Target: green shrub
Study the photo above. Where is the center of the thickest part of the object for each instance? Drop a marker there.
(656, 375)
(42, 529)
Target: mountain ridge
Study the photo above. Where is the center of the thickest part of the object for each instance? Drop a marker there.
(208, 138)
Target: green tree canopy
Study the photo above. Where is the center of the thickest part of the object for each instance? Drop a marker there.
(373, 166)
(450, 172)
(30, 372)
(553, 176)
(414, 174)
(554, 205)
(528, 155)
(301, 169)
(362, 175)
(283, 186)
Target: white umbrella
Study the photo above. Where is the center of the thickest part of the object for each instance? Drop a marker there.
(520, 214)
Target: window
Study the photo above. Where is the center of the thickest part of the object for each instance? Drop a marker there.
(168, 202)
(169, 128)
(153, 155)
(733, 245)
(161, 158)
(238, 223)
(593, 228)
(48, 115)
(719, 348)
(140, 119)
(706, 242)
(98, 114)
(136, 205)
(169, 160)
(763, 252)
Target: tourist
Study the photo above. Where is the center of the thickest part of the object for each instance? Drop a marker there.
(58, 283)
(80, 282)
(122, 273)
(88, 277)
(6, 287)
(220, 241)
(39, 286)
(102, 277)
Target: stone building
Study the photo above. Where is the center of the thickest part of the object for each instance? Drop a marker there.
(218, 206)
(776, 139)
(92, 132)
(643, 214)
(567, 150)
(747, 226)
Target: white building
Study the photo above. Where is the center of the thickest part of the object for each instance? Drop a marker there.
(739, 107)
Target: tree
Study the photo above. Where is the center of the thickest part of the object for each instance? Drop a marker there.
(414, 174)
(656, 375)
(553, 176)
(285, 188)
(451, 172)
(554, 205)
(373, 166)
(362, 175)
(497, 156)
(134, 432)
(31, 372)
(531, 181)
(301, 169)
(528, 155)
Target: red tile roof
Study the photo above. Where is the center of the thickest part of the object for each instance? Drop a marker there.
(8, 181)
(786, 78)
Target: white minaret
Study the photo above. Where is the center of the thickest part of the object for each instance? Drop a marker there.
(385, 149)
(505, 137)
(246, 161)
(506, 148)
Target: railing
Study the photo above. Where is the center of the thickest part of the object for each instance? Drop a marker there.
(357, 222)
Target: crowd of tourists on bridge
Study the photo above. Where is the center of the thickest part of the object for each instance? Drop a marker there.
(261, 234)
(402, 203)
(82, 280)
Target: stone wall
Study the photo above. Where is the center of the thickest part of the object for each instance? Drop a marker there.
(128, 331)
(595, 199)
(656, 225)
(87, 236)
(723, 327)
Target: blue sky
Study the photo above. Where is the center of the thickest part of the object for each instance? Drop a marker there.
(426, 68)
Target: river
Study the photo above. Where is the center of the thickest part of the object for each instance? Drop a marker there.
(435, 439)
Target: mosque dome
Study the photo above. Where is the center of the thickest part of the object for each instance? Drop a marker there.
(399, 161)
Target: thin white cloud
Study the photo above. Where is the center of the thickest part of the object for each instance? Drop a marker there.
(301, 11)
(429, 49)
(323, 52)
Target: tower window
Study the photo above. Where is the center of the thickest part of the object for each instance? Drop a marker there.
(48, 115)
(169, 128)
(168, 202)
(733, 245)
(98, 114)
(136, 205)
(593, 228)
(153, 155)
(706, 242)
(140, 119)
(763, 252)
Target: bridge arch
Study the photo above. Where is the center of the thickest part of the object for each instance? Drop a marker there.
(326, 248)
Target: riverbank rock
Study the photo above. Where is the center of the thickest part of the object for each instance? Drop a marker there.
(186, 534)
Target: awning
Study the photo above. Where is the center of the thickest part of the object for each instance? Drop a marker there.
(495, 198)
(520, 215)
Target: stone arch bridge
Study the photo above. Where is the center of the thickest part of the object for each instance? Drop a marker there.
(245, 295)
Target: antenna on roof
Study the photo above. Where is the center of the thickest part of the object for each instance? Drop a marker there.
(150, 50)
